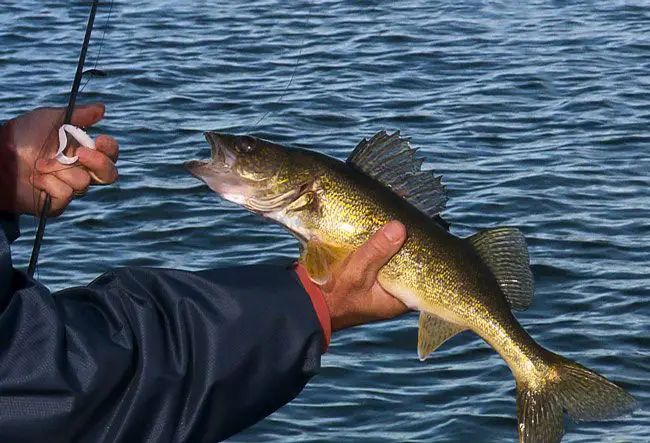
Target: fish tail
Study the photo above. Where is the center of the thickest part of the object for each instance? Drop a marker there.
(566, 386)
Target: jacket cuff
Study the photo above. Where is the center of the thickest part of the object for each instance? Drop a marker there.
(320, 305)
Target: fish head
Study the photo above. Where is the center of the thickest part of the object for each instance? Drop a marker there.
(260, 175)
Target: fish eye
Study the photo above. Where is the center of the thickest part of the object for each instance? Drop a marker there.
(245, 146)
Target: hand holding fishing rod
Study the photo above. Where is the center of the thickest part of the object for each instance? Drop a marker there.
(67, 119)
(32, 145)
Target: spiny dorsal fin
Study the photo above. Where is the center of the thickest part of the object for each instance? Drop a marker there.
(389, 159)
(432, 332)
(505, 252)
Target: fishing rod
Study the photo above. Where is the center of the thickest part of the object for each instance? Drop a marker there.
(66, 120)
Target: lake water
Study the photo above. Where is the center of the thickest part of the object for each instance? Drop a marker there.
(537, 114)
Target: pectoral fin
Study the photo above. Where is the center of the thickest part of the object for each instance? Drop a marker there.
(319, 260)
(434, 331)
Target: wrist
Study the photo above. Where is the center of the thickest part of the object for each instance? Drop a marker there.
(319, 303)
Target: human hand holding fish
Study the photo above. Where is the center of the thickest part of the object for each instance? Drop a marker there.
(28, 148)
(353, 294)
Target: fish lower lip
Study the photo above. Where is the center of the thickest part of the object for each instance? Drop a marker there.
(194, 165)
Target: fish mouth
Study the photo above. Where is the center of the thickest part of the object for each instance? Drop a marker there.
(222, 158)
(222, 154)
(217, 172)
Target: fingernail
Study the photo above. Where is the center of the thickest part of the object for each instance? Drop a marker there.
(394, 231)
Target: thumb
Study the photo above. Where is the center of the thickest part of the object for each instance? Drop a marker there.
(87, 115)
(379, 249)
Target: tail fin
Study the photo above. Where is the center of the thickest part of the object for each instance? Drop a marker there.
(567, 386)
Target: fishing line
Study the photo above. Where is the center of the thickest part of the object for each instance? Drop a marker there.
(295, 69)
(94, 72)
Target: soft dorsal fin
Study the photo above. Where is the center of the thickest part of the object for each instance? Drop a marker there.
(505, 252)
(389, 159)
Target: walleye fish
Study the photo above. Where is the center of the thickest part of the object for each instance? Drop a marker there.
(457, 284)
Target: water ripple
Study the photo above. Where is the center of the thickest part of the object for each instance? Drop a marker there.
(536, 113)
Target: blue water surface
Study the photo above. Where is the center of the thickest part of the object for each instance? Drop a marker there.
(537, 113)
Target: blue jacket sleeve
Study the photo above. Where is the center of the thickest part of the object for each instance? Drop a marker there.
(151, 355)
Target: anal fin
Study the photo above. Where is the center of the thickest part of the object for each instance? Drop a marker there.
(432, 332)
